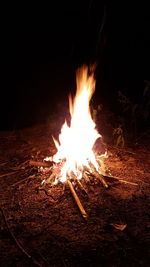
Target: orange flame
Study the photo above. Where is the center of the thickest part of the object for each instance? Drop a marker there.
(75, 146)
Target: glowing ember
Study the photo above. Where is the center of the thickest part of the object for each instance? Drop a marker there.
(75, 146)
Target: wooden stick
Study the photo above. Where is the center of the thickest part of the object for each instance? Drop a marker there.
(79, 183)
(7, 174)
(98, 176)
(40, 163)
(121, 180)
(81, 186)
(126, 182)
(18, 243)
(86, 177)
(52, 176)
(17, 168)
(22, 180)
(78, 202)
(3, 163)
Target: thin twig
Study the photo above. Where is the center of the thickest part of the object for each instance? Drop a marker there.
(81, 186)
(87, 179)
(21, 181)
(121, 180)
(79, 183)
(127, 182)
(7, 174)
(98, 175)
(3, 163)
(19, 166)
(16, 241)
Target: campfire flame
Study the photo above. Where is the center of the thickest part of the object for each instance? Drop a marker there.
(76, 141)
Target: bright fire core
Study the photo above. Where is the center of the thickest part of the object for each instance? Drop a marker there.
(75, 145)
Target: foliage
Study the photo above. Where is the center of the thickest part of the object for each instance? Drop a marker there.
(139, 113)
(118, 136)
(95, 111)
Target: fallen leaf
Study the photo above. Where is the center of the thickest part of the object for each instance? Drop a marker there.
(120, 227)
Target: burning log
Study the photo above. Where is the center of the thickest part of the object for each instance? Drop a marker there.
(40, 163)
(98, 175)
(87, 179)
(81, 186)
(77, 200)
(52, 177)
(79, 183)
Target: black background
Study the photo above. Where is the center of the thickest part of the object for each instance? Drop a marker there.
(42, 45)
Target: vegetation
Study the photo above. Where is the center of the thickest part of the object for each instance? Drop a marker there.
(118, 136)
(137, 114)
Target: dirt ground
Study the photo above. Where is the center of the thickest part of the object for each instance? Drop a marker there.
(45, 228)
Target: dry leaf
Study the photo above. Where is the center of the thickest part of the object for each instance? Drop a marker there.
(120, 227)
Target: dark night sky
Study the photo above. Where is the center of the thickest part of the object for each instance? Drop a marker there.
(41, 46)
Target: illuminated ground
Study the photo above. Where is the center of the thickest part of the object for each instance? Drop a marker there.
(48, 224)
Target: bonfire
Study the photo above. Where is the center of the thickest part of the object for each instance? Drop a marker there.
(76, 162)
(75, 159)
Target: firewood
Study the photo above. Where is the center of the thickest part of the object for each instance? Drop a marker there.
(79, 183)
(20, 166)
(127, 182)
(40, 163)
(98, 175)
(21, 248)
(81, 186)
(7, 174)
(78, 202)
(23, 180)
(87, 179)
(54, 174)
(121, 180)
